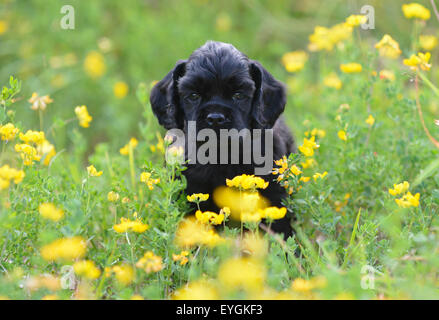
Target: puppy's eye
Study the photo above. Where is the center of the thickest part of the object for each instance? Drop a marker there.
(193, 97)
(238, 96)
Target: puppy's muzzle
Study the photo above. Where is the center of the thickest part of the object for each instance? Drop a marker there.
(216, 115)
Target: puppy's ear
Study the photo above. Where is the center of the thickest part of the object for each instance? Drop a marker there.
(269, 99)
(165, 100)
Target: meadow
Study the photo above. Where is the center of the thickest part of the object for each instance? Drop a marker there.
(88, 210)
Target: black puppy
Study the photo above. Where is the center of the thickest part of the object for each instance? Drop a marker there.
(220, 87)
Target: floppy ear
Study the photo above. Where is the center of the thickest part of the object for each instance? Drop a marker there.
(269, 99)
(165, 100)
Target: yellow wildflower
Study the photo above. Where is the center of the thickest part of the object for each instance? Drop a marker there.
(428, 42)
(420, 60)
(332, 81)
(351, 67)
(308, 147)
(197, 197)
(94, 64)
(209, 217)
(124, 273)
(27, 153)
(246, 182)
(136, 297)
(415, 10)
(304, 179)
(198, 290)
(131, 144)
(150, 262)
(242, 273)
(145, 177)
(83, 116)
(304, 286)
(388, 47)
(399, 188)
(342, 135)
(295, 170)
(49, 211)
(191, 233)
(92, 172)
(112, 196)
(326, 38)
(370, 120)
(319, 175)
(30, 136)
(309, 162)
(126, 225)
(120, 89)
(182, 257)
(387, 75)
(46, 151)
(282, 163)
(64, 249)
(8, 131)
(355, 20)
(87, 269)
(408, 200)
(39, 103)
(8, 174)
(274, 213)
(294, 61)
(4, 26)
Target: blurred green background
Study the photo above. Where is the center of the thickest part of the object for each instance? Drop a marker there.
(140, 41)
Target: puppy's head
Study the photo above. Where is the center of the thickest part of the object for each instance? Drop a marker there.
(218, 87)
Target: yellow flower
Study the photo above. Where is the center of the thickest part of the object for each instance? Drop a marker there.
(274, 213)
(295, 170)
(49, 211)
(87, 269)
(4, 26)
(126, 225)
(50, 297)
(310, 162)
(209, 217)
(191, 233)
(342, 135)
(120, 89)
(355, 20)
(428, 42)
(30, 136)
(242, 273)
(283, 165)
(308, 147)
(326, 38)
(387, 75)
(112, 196)
(351, 67)
(27, 153)
(246, 182)
(332, 81)
(319, 175)
(8, 131)
(145, 177)
(64, 249)
(408, 200)
(370, 120)
(83, 116)
(197, 197)
(294, 61)
(420, 60)
(304, 179)
(124, 273)
(8, 174)
(94, 64)
(150, 262)
(388, 47)
(198, 290)
(92, 172)
(182, 257)
(254, 245)
(39, 103)
(46, 151)
(399, 188)
(131, 144)
(415, 10)
(304, 286)
(136, 297)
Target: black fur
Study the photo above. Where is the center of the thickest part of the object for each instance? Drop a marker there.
(215, 72)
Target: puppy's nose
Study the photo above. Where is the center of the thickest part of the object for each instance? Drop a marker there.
(215, 119)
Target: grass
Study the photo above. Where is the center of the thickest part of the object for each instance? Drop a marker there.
(353, 240)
